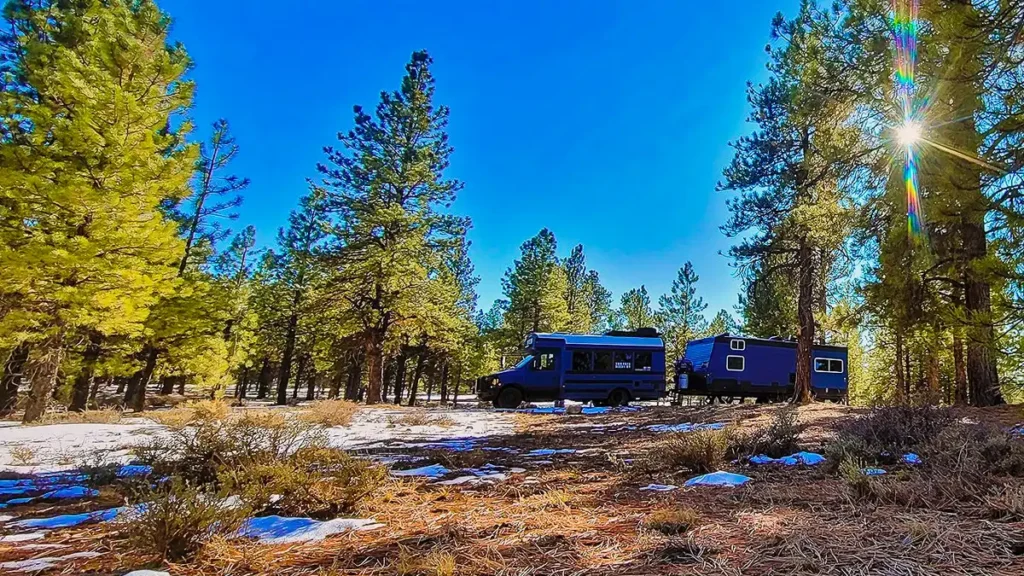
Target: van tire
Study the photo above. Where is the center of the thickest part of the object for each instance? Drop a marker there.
(509, 398)
(618, 397)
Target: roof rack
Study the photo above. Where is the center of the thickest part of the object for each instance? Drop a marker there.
(639, 332)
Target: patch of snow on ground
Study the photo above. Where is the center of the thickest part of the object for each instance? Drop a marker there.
(39, 564)
(432, 471)
(371, 427)
(147, 573)
(22, 537)
(281, 529)
(55, 443)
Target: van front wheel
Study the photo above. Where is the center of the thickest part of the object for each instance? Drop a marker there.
(618, 397)
(509, 398)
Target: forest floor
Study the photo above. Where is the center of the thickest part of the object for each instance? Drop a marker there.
(578, 510)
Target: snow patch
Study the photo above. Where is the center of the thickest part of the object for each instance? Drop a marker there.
(22, 537)
(281, 529)
(369, 428)
(658, 488)
(685, 427)
(53, 443)
(39, 564)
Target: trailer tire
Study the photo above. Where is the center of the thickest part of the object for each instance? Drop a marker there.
(618, 397)
(509, 398)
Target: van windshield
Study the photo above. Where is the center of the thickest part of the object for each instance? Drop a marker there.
(525, 361)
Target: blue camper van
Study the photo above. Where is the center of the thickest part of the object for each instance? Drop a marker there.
(728, 367)
(610, 369)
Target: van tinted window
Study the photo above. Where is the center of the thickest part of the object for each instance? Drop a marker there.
(581, 361)
(642, 362)
(623, 360)
(602, 361)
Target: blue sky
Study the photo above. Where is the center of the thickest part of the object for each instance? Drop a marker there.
(607, 122)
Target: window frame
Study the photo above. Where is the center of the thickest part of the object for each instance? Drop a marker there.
(740, 341)
(743, 365)
(828, 364)
(538, 367)
(590, 361)
(611, 362)
(627, 355)
(649, 367)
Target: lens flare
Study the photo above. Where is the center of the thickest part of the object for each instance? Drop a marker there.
(904, 25)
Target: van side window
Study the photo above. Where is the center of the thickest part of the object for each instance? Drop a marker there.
(623, 360)
(737, 344)
(544, 361)
(581, 361)
(602, 361)
(735, 363)
(828, 365)
(642, 362)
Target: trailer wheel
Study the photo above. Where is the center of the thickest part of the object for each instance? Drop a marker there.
(618, 397)
(509, 398)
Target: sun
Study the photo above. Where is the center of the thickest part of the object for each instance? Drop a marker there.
(908, 134)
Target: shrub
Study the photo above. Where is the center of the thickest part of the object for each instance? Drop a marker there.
(101, 416)
(313, 481)
(885, 434)
(421, 419)
(22, 455)
(700, 451)
(781, 437)
(330, 412)
(672, 521)
(192, 413)
(177, 520)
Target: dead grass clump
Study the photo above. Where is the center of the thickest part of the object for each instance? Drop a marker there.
(191, 413)
(459, 459)
(101, 416)
(781, 437)
(177, 520)
(421, 419)
(885, 434)
(1006, 504)
(313, 481)
(330, 412)
(672, 521)
(550, 500)
(22, 455)
(414, 563)
(701, 451)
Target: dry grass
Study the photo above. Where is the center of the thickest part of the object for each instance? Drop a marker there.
(22, 455)
(330, 412)
(700, 451)
(421, 419)
(672, 521)
(190, 413)
(101, 416)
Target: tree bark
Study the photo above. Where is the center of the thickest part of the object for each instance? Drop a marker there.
(374, 365)
(458, 380)
(83, 382)
(263, 381)
(982, 373)
(900, 388)
(141, 381)
(444, 382)
(960, 371)
(13, 374)
(300, 373)
(286, 357)
(805, 315)
(243, 385)
(403, 355)
(96, 383)
(417, 373)
(355, 377)
(43, 370)
(311, 386)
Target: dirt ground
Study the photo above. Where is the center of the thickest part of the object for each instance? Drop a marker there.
(584, 513)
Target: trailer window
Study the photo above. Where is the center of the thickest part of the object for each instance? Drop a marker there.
(642, 362)
(623, 360)
(581, 361)
(828, 365)
(735, 363)
(602, 361)
(738, 344)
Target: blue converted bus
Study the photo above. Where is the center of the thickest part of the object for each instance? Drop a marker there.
(726, 367)
(609, 370)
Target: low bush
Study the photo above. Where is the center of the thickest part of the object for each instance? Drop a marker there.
(330, 412)
(673, 521)
(313, 481)
(421, 419)
(781, 437)
(101, 416)
(885, 434)
(177, 520)
(701, 451)
(22, 455)
(191, 413)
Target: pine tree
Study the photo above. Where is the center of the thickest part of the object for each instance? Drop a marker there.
(681, 312)
(722, 323)
(535, 289)
(387, 187)
(86, 160)
(635, 310)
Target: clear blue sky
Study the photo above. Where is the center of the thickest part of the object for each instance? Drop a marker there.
(607, 122)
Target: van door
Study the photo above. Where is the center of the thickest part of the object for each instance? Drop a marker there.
(544, 377)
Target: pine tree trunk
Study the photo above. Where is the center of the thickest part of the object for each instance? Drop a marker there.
(417, 373)
(900, 388)
(14, 369)
(83, 382)
(934, 386)
(458, 380)
(44, 370)
(430, 382)
(286, 357)
(374, 365)
(403, 355)
(144, 376)
(96, 383)
(300, 373)
(122, 381)
(982, 374)
(355, 377)
(243, 384)
(311, 386)
(263, 381)
(444, 382)
(805, 315)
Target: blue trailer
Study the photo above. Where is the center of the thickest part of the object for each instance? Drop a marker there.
(609, 370)
(728, 367)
